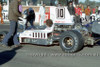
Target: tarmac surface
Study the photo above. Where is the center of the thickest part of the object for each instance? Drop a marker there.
(47, 56)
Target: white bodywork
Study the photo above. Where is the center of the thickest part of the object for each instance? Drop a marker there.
(59, 15)
(34, 34)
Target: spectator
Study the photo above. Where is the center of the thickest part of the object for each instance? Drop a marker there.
(30, 17)
(1, 14)
(13, 18)
(87, 13)
(42, 14)
(77, 14)
(71, 9)
(82, 8)
(59, 5)
(93, 11)
(5, 7)
(56, 2)
(96, 9)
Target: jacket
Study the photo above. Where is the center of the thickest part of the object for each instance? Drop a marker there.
(30, 14)
(14, 11)
(71, 10)
(87, 12)
(78, 11)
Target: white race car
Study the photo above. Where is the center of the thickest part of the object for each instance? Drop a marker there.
(70, 39)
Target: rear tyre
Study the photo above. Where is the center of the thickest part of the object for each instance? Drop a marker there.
(71, 41)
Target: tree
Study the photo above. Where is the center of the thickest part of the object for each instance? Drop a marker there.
(87, 2)
(93, 4)
(63, 2)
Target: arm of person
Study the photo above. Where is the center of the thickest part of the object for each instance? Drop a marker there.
(15, 9)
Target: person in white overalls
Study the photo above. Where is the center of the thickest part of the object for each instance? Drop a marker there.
(42, 14)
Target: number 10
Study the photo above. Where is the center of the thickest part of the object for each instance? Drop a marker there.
(60, 13)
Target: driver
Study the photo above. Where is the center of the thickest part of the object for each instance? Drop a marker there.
(49, 25)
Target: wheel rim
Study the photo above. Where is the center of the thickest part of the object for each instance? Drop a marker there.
(1, 37)
(68, 42)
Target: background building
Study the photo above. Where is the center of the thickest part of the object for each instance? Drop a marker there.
(48, 2)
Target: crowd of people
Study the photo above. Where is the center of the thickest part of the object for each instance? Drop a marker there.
(78, 10)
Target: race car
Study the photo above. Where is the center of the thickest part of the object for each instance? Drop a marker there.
(69, 38)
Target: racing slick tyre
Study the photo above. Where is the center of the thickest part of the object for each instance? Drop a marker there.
(2, 35)
(71, 41)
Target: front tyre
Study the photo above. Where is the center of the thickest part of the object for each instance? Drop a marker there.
(71, 41)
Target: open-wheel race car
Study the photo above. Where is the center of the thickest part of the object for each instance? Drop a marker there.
(70, 38)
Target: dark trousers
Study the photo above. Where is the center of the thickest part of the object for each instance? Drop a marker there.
(98, 11)
(31, 23)
(12, 32)
(77, 19)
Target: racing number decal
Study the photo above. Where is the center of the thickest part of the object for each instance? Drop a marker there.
(60, 13)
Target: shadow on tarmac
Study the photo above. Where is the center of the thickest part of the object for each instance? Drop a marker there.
(6, 56)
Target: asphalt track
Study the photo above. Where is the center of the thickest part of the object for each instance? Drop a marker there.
(47, 56)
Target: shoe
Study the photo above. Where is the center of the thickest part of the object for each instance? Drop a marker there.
(14, 46)
(3, 45)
